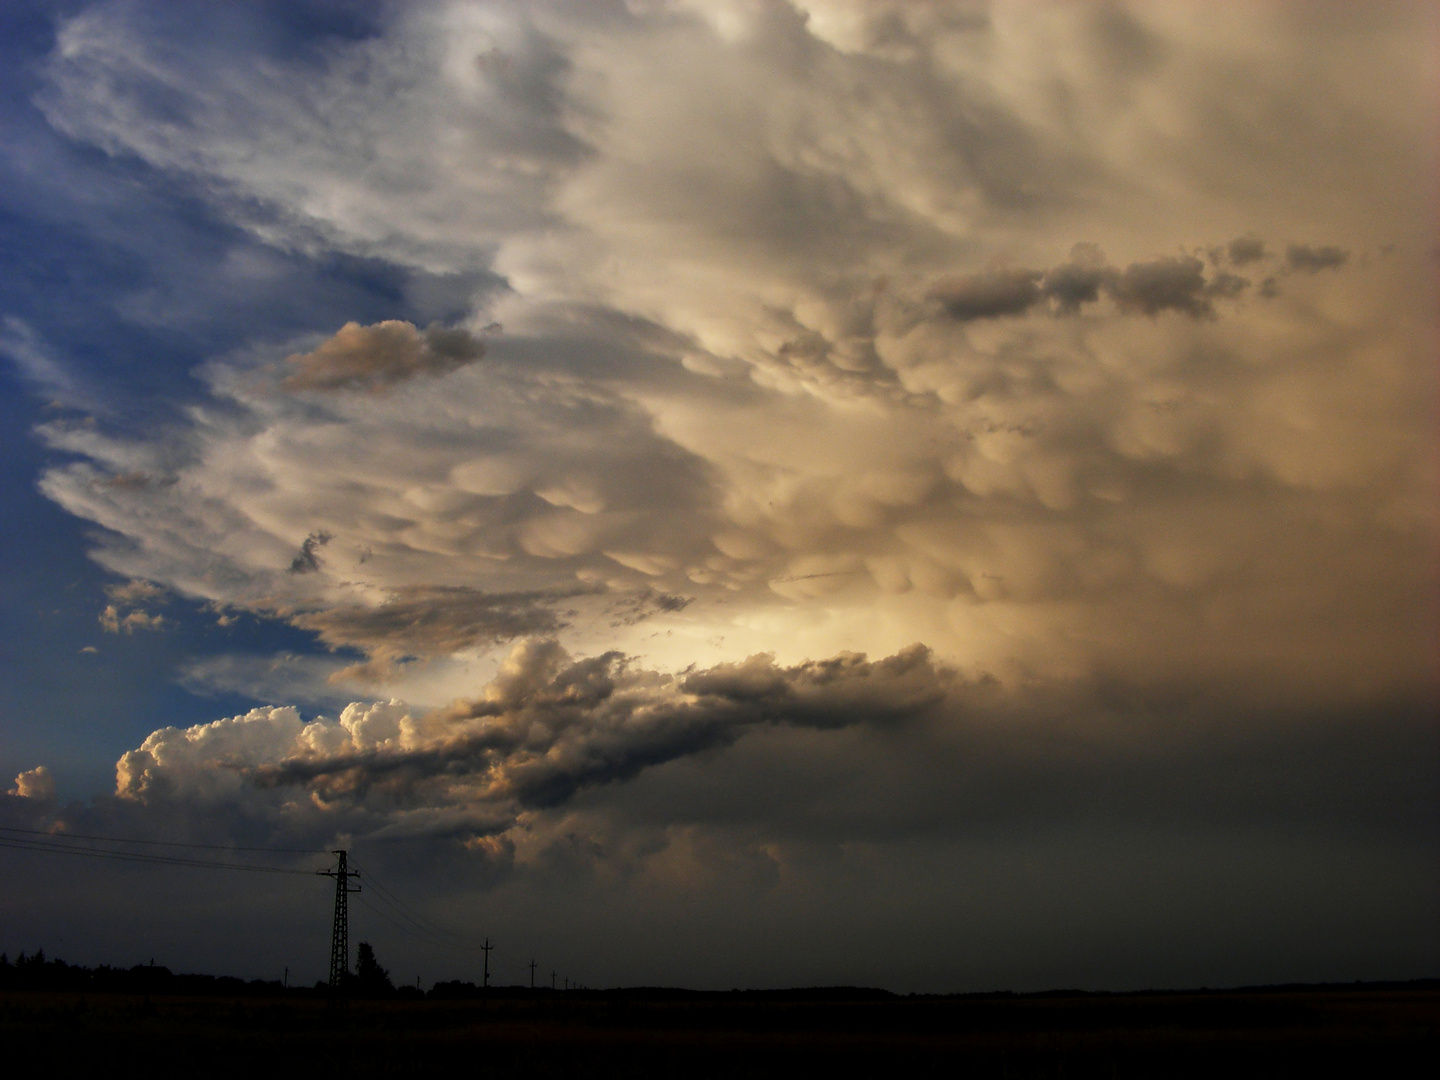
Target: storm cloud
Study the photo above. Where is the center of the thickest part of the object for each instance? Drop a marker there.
(545, 728)
(860, 407)
(946, 749)
(883, 382)
(1048, 337)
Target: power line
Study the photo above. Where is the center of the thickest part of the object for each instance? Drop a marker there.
(159, 843)
(396, 923)
(401, 906)
(440, 934)
(419, 925)
(40, 847)
(397, 917)
(403, 917)
(428, 939)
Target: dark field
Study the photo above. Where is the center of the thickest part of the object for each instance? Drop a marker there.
(1360, 1031)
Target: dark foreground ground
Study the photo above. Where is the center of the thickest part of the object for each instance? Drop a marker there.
(1352, 1031)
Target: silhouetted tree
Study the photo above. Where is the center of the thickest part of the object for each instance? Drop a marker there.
(370, 977)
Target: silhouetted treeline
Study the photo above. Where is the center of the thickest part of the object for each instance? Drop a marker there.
(36, 972)
(372, 981)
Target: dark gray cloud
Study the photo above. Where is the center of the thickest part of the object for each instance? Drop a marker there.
(1176, 283)
(549, 726)
(1244, 250)
(897, 747)
(433, 620)
(988, 295)
(308, 559)
(374, 357)
(1077, 282)
(1228, 285)
(1311, 260)
(1171, 283)
(755, 788)
(641, 605)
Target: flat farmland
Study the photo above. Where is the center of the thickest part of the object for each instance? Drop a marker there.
(1273, 1033)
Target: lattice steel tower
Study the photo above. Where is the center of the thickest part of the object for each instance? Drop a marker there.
(340, 931)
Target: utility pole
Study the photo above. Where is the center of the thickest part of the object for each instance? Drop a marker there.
(552, 980)
(532, 974)
(286, 983)
(487, 947)
(340, 929)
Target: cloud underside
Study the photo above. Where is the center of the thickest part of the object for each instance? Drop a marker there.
(837, 751)
(546, 727)
(827, 327)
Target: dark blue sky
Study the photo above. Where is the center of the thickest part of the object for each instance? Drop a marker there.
(127, 282)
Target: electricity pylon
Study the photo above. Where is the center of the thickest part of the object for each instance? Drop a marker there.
(340, 931)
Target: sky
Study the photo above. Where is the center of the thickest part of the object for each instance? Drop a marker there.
(719, 493)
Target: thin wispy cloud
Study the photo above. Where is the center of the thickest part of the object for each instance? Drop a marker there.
(43, 371)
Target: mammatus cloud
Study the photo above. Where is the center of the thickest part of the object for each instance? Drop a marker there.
(1014, 473)
(375, 357)
(799, 338)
